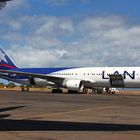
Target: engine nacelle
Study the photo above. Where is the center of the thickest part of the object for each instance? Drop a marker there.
(75, 85)
(39, 82)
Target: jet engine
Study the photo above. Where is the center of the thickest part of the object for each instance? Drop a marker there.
(39, 82)
(75, 85)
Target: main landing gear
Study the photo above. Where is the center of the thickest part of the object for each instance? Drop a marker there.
(25, 89)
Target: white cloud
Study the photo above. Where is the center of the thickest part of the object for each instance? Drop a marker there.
(59, 2)
(61, 41)
(32, 57)
(53, 25)
(14, 25)
(16, 4)
(64, 2)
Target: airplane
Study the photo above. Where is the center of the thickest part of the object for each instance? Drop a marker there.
(3, 3)
(75, 79)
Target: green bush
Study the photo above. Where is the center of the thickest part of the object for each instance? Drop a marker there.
(11, 85)
(2, 85)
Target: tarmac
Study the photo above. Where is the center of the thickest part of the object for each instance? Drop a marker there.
(46, 116)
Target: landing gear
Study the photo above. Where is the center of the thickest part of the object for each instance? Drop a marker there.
(57, 90)
(25, 89)
(99, 91)
(85, 90)
(88, 91)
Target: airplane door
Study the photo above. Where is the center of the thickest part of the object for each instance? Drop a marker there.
(116, 80)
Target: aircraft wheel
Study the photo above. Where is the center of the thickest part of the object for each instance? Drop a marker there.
(85, 91)
(99, 91)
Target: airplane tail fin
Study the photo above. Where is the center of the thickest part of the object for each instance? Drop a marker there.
(5, 61)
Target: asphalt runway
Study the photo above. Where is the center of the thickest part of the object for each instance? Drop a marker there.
(44, 116)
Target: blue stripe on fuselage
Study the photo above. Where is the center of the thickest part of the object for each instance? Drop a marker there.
(36, 71)
(41, 70)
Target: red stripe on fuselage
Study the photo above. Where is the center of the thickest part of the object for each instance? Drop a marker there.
(7, 66)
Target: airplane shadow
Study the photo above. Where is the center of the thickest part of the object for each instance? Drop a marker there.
(8, 109)
(41, 125)
(38, 125)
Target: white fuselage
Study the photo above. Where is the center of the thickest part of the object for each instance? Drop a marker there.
(99, 75)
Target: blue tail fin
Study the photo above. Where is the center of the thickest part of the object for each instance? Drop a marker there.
(5, 61)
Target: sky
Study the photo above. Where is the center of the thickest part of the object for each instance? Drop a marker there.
(71, 33)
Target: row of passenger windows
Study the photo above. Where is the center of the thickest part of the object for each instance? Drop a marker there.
(74, 74)
(80, 74)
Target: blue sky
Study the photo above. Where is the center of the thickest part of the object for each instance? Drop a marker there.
(83, 7)
(53, 33)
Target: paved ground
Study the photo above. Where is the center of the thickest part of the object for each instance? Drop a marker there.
(42, 116)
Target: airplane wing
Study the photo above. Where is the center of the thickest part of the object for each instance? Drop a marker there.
(51, 78)
(31, 75)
